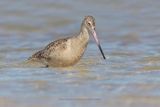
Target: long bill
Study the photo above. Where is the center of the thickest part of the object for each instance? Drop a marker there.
(98, 43)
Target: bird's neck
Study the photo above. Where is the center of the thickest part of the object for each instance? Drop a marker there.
(84, 34)
(81, 40)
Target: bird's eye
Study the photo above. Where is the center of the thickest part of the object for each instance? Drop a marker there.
(89, 24)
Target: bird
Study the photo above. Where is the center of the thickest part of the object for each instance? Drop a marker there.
(68, 51)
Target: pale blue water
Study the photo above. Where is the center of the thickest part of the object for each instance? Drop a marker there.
(129, 32)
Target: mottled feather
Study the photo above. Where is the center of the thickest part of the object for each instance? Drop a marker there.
(53, 46)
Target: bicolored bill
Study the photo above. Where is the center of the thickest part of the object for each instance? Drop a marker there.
(98, 43)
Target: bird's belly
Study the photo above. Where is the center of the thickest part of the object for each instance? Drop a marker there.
(63, 59)
(62, 62)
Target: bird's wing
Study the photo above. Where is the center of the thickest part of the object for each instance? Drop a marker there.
(56, 46)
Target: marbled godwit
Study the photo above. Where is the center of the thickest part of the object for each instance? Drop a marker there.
(68, 51)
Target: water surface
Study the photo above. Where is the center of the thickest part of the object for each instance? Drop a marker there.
(129, 34)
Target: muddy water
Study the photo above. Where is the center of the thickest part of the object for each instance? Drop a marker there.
(129, 32)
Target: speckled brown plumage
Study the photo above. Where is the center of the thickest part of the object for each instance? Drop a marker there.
(45, 53)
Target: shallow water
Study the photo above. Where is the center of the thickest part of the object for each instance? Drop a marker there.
(129, 34)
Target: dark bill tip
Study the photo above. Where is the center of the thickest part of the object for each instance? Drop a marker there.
(99, 46)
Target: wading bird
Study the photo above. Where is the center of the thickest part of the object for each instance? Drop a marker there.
(68, 51)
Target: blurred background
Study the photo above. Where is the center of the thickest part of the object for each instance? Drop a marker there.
(129, 32)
